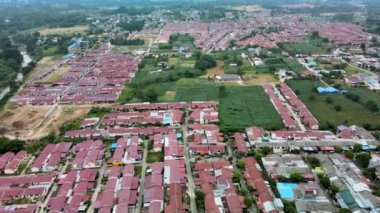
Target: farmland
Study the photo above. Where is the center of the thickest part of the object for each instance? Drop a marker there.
(239, 108)
(309, 46)
(351, 113)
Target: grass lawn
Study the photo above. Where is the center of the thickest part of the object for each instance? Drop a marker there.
(243, 106)
(155, 157)
(352, 113)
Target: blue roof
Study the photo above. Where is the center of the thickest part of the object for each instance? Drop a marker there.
(75, 43)
(327, 90)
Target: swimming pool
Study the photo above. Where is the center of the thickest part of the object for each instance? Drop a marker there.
(286, 190)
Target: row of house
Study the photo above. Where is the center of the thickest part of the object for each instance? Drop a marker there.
(50, 157)
(32, 187)
(205, 140)
(298, 107)
(10, 162)
(127, 150)
(73, 191)
(118, 132)
(215, 181)
(166, 106)
(88, 154)
(280, 106)
(167, 117)
(120, 191)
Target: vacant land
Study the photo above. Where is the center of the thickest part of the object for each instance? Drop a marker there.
(241, 107)
(218, 70)
(34, 122)
(351, 113)
(42, 65)
(64, 30)
(258, 79)
(57, 74)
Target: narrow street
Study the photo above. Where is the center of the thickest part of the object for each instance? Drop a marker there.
(295, 116)
(190, 181)
(97, 189)
(31, 160)
(243, 184)
(142, 180)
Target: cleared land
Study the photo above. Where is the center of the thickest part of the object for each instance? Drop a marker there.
(34, 122)
(42, 65)
(259, 79)
(241, 107)
(57, 74)
(64, 30)
(218, 70)
(352, 112)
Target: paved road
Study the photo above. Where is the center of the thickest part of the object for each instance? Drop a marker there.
(243, 184)
(97, 189)
(314, 143)
(31, 160)
(142, 181)
(43, 205)
(190, 181)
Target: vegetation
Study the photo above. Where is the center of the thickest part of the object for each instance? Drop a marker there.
(127, 42)
(353, 108)
(132, 25)
(155, 157)
(7, 145)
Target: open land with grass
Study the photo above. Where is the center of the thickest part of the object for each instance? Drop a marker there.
(352, 113)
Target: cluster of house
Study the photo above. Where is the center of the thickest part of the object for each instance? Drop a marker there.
(50, 157)
(345, 33)
(73, 191)
(120, 190)
(215, 181)
(354, 188)
(281, 97)
(298, 107)
(163, 117)
(205, 140)
(98, 76)
(279, 105)
(264, 197)
(360, 80)
(32, 187)
(126, 150)
(10, 162)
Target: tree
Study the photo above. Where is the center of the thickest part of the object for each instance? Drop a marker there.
(237, 176)
(248, 201)
(241, 164)
(363, 46)
(314, 162)
(344, 210)
(222, 91)
(350, 154)
(325, 181)
(265, 150)
(296, 177)
(338, 108)
(329, 100)
(363, 159)
(372, 106)
(150, 95)
(357, 148)
(334, 189)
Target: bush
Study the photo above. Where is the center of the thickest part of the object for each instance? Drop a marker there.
(363, 159)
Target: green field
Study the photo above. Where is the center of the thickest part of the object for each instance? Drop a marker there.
(243, 106)
(352, 113)
(309, 46)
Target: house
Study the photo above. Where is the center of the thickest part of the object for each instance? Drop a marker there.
(228, 77)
